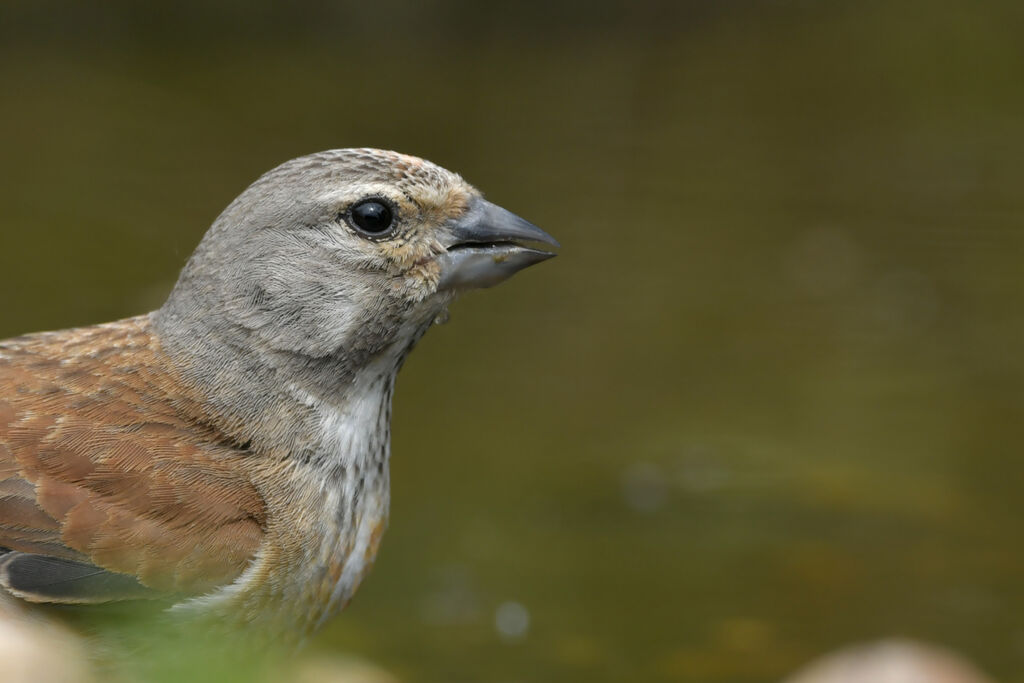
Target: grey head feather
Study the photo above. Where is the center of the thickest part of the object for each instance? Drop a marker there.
(285, 295)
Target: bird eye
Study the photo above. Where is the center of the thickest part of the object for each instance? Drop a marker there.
(371, 216)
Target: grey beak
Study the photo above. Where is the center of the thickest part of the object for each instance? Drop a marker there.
(485, 247)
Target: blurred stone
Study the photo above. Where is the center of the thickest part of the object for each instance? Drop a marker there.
(33, 650)
(340, 670)
(890, 661)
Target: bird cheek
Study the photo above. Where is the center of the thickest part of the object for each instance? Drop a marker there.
(421, 280)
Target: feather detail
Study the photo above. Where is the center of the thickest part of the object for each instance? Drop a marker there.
(101, 467)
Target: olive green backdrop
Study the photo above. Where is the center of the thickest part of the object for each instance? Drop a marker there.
(766, 402)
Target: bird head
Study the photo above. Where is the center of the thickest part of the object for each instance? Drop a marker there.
(347, 252)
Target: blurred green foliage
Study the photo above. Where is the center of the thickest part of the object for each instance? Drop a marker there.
(765, 403)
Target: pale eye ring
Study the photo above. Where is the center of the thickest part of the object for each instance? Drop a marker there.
(372, 217)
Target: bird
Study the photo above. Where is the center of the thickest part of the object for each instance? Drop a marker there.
(228, 453)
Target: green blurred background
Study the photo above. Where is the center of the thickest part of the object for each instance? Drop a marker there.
(767, 401)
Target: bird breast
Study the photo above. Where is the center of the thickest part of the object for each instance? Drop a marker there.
(327, 512)
(354, 486)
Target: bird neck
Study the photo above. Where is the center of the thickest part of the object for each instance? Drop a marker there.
(276, 402)
(326, 482)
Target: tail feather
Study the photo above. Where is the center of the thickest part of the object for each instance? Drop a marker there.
(39, 578)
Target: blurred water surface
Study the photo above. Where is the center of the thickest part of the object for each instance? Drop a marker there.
(766, 402)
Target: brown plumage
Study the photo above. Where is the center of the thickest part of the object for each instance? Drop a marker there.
(104, 459)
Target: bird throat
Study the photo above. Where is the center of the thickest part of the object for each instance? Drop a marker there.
(327, 510)
(347, 492)
(321, 464)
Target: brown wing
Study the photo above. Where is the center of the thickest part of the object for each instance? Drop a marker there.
(102, 467)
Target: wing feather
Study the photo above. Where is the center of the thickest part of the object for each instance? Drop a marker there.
(109, 487)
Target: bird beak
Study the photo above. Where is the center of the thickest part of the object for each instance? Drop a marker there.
(485, 247)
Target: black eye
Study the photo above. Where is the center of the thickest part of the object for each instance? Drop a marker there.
(372, 216)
